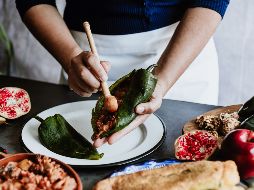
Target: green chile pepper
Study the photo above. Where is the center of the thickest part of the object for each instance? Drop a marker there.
(130, 90)
(247, 110)
(59, 136)
(248, 123)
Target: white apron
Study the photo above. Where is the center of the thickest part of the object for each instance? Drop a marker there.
(199, 83)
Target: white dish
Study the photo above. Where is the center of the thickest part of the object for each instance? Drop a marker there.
(139, 143)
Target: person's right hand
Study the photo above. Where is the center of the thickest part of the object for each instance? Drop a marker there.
(85, 73)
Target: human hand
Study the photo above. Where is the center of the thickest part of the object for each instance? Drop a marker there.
(144, 110)
(85, 73)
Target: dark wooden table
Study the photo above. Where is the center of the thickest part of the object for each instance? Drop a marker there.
(45, 95)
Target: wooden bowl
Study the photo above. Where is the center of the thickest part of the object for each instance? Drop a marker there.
(21, 156)
(191, 125)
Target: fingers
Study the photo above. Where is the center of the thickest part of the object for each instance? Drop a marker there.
(85, 74)
(144, 109)
(99, 142)
(83, 83)
(94, 65)
(149, 107)
(79, 70)
(118, 135)
(135, 123)
(78, 87)
(78, 90)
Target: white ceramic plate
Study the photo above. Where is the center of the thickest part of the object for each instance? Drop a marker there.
(139, 143)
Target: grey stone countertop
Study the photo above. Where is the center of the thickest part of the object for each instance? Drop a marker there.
(45, 95)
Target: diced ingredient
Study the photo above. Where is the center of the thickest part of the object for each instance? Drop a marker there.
(40, 173)
(220, 124)
(25, 164)
(209, 122)
(214, 133)
(229, 122)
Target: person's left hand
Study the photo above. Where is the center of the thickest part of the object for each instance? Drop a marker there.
(144, 110)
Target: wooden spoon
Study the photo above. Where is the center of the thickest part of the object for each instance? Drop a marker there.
(110, 102)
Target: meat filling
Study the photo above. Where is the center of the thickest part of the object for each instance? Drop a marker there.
(107, 120)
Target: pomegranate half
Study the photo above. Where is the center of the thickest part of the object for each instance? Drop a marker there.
(14, 102)
(195, 145)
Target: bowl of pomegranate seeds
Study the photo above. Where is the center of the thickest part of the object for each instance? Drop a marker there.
(33, 171)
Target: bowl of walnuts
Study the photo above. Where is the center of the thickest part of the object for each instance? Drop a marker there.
(35, 171)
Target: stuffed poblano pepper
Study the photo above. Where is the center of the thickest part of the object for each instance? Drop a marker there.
(130, 90)
(59, 136)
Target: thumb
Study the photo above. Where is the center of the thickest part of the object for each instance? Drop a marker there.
(149, 107)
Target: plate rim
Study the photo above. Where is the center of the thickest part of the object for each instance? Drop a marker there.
(119, 163)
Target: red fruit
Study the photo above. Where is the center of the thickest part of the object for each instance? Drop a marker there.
(238, 145)
(14, 102)
(195, 145)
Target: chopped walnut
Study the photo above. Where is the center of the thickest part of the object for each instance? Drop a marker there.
(229, 122)
(41, 173)
(25, 164)
(209, 122)
(221, 124)
(214, 133)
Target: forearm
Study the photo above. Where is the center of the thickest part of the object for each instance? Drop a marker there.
(48, 27)
(190, 37)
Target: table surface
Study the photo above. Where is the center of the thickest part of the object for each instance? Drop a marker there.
(46, 95)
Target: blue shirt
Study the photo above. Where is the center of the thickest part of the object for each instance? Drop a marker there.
(116, 17)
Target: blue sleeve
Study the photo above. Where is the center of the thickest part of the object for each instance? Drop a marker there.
(219, 6)
(24, 5)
